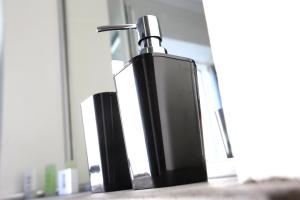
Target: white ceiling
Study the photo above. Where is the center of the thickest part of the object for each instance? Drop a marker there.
(192, 5)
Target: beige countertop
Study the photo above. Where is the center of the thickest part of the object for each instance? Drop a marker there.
(272, 190)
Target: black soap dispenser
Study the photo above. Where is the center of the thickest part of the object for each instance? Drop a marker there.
(160, 112)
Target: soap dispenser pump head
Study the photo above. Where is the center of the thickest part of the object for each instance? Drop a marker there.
(149, 34)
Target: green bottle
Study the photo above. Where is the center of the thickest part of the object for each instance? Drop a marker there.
(50, 180)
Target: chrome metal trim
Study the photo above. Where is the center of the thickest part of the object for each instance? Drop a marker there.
(149, 34)
(92, 145)
(116, 27)
(133, 130)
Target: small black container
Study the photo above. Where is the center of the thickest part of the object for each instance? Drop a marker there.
(107, 159)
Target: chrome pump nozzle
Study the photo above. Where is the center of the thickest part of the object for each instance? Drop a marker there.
(149, 34)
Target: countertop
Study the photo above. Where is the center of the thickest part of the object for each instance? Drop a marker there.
(267, 190)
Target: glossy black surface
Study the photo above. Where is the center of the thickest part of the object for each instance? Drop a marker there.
(167, 93)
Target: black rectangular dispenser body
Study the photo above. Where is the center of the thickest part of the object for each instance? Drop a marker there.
(160, 113)
(107, 160)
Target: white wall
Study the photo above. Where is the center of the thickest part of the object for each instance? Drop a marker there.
(256, 47)
(32, 133)
(177, 22)
(89, 66)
